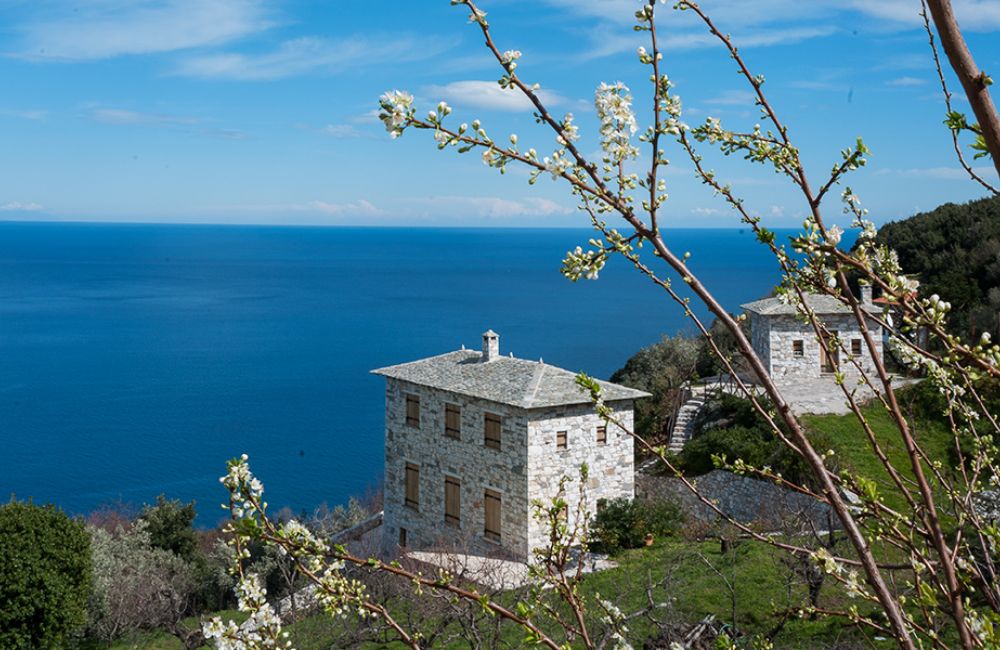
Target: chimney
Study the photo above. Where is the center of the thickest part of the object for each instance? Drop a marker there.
(866, 294)
(491, 345)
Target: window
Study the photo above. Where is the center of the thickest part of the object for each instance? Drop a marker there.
(402, 537)
(492, 426)
(561, 442)
(798, 349)
(492, 505)
(856, 347)
(413, 485)
(602, 435)
(452, 421)
(452, 501)
(412, 411)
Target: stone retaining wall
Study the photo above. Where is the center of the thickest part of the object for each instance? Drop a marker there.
(748, 500)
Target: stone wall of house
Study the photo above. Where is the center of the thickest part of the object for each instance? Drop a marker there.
(784, 330)
(476, 466)
(610, 465)
(760, 338)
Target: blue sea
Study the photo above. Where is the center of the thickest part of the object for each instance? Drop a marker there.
(136, 359)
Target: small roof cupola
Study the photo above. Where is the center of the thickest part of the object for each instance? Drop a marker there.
(491, 346)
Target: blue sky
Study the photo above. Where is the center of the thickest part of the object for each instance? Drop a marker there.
(261, 111)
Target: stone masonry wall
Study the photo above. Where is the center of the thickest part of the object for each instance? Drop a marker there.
(611, 465)
(786, 328)
(475, 465)
(760, 338)
(745, 499)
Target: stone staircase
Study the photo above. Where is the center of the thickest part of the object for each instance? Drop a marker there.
(694, 399)
(684, 422)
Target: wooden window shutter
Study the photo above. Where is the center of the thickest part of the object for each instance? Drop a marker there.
(452, 501)
(856, 347)
(602, 434)
(493, 425)
(412, 411)
(561, 440)
(492, 502)
(452, 421)
(412, 485)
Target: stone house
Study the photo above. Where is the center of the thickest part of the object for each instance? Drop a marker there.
(473, 438)
(789, 347)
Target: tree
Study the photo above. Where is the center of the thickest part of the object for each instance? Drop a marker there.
(170, 527)
(44, 576)
(137, 585)
(922, 567)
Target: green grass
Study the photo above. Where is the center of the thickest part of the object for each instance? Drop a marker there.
(690, 588)
(854, 451)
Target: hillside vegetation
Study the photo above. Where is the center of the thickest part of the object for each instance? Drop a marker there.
(954, 250)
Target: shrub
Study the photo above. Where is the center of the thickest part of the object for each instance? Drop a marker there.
(624, 523)
(170, 526)
(136, 584)
(44, 576)
(730, 426)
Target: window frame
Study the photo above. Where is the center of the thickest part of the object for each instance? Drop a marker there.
(409, 502)
(856, 348)
(454, 432)
(489, 441)
(602, 434)
(497, 498)
(562, 440)
(798, 348)
(453, 519)
(412, 420)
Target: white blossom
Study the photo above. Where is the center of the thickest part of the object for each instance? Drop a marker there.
(614, 109)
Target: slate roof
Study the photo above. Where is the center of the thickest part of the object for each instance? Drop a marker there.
(507, 380)
(820, 303)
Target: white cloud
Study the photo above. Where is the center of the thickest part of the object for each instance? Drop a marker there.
(17, 206)
(706, 212)
(903, 82)
(972, 15)
(752, 38)
(492, 207)
(124, 116)
(312, 54)
(489, 95)
(33, 115)
(975, 15)
(361, 207)
(341, 131)
(103, 29)
(733, 98)
(937, 173)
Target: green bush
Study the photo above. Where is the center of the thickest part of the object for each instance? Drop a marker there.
(730, 426)
(170, 524)
(45, 572)
(624, 523)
